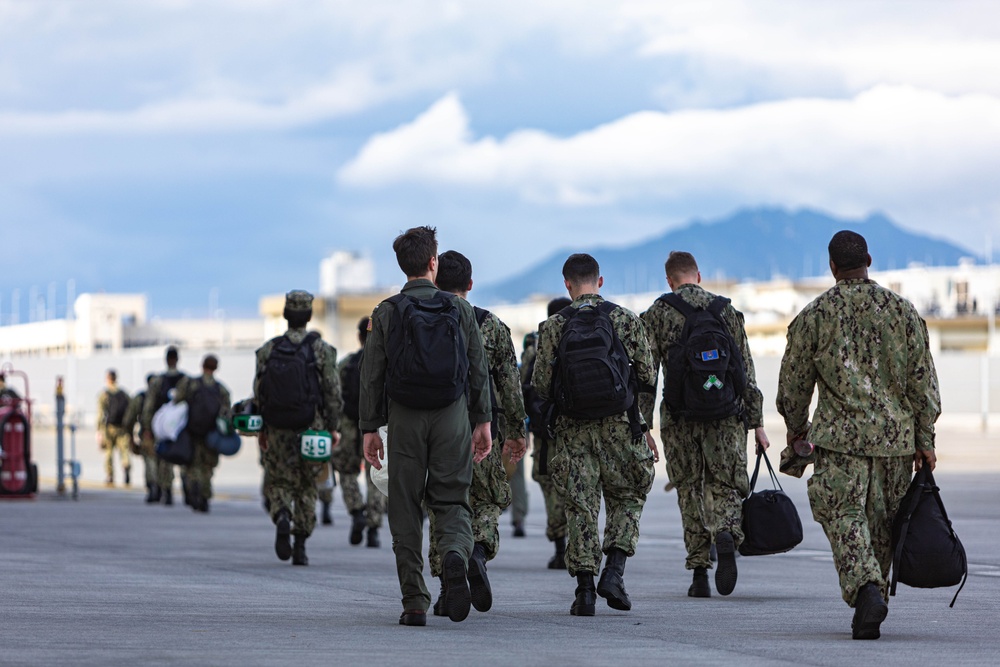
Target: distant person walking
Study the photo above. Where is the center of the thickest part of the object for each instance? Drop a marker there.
(866, 350)
(161, 392)
(150, 463)
(207, 399)
(111, 434)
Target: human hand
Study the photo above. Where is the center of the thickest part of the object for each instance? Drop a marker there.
(374, 450)
(334, 439)
(100, 440)
(922, 456)
(482, 442)
(761, 439)
(515, 449)
(651, 443)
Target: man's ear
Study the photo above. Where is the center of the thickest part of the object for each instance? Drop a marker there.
(600, 282)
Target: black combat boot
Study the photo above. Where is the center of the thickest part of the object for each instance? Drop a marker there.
(299, 551)
(373, 540)
(457, 598)
(585, 603)
(283, 527)
(327, 519)
(558, 561)
(725, 569)
(439, 605)
(699, 586)
(357, 526)
(193, 498)
(186, 488)
(168, 497)
(479, 583)
(154, 493)
(128, 476)
(870, 610)
(611, 587)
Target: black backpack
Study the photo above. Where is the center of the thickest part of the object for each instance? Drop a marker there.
(705, 374)
(116, 407)
(204, 406)
(481, 314)
(428, 359)
(289, 390)
(350, 386)
(593, 376)
(926, 551)
(168, 381)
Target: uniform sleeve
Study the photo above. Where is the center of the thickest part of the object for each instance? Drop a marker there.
(633, 335)
(647, 400)
(134, 413)
(226, 401)
(102, 409)
(922, 386)
(148, 406)
(371, 408)
(258, 375)
(797, 377)
(753, 399)
(548, 342)
(333, 402)
(503, 365)
(184, 389)
(480, 410)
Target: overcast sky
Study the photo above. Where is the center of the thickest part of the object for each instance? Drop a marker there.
(176, 147)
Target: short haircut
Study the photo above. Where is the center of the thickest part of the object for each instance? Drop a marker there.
(113, 375)
(414, 249)
(581, 268)
(848, 250)
(680, 263)
(210, 362)
(172, 354)
(454, 271)
(363, 328)
(558, 304)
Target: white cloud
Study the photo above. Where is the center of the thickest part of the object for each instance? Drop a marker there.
(888, 146)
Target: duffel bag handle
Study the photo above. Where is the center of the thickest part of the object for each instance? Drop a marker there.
(756, 471)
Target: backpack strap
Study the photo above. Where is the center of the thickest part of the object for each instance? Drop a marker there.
(675, 301)
(481, 315)
(756, 469)
(717, 305)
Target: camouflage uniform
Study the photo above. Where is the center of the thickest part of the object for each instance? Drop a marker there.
(132, 417)
(290, 480)
(115, 437)
(347, 460)
(545, 450)
(165, 470)
(866, 349)
(205, 458)
(429, 451)
(706, 461)
(600, 455)
(490, 492)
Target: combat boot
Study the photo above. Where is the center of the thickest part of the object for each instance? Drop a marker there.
(128, 477)
(193, 498)
(457, 598)
(373, 540)
(479, 583)
(725, 572)
(439, 605)
(558, 561)
(611, 587)
(152, 493)
(283, 527)
(327, 519)
(186, 488)
(870, 610)
(699, 586)
(357, 526)
(585, 603)
(299, 551)
(168, 497)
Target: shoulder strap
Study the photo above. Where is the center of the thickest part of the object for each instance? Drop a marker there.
(481, 315)
(717, 305)
(756, 469)
(607, 307)
(675, 301)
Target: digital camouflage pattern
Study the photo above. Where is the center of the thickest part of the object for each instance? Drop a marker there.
(855, 499)
(600, 455)
(290, 480)
(867, 350)
(347, 460)
(116, 438)
(706, 461)
(205, 458)
(490, 492)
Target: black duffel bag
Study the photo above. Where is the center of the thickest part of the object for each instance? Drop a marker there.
(926, 552)
(179, 452)
(771, 524)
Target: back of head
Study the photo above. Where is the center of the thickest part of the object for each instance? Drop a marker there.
(414, 249)
(172, 356)
(680, 264)
(454, 272)
(848, 250)
(558, 304)
(580, 269)
(113, 375)
(210, 363)
(298, 308)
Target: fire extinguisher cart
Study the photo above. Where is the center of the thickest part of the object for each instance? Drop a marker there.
(18, 475)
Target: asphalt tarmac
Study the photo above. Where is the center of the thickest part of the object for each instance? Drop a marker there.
(109, 580)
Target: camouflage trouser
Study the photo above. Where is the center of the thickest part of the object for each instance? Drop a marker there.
(601, 457)
(290, 480)
(707, 462)
(555, 510)
(202, 467)
(347, 461)
(855, 499)
(489, 495)
(116, 439)
(165, 474)
(152, 466)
